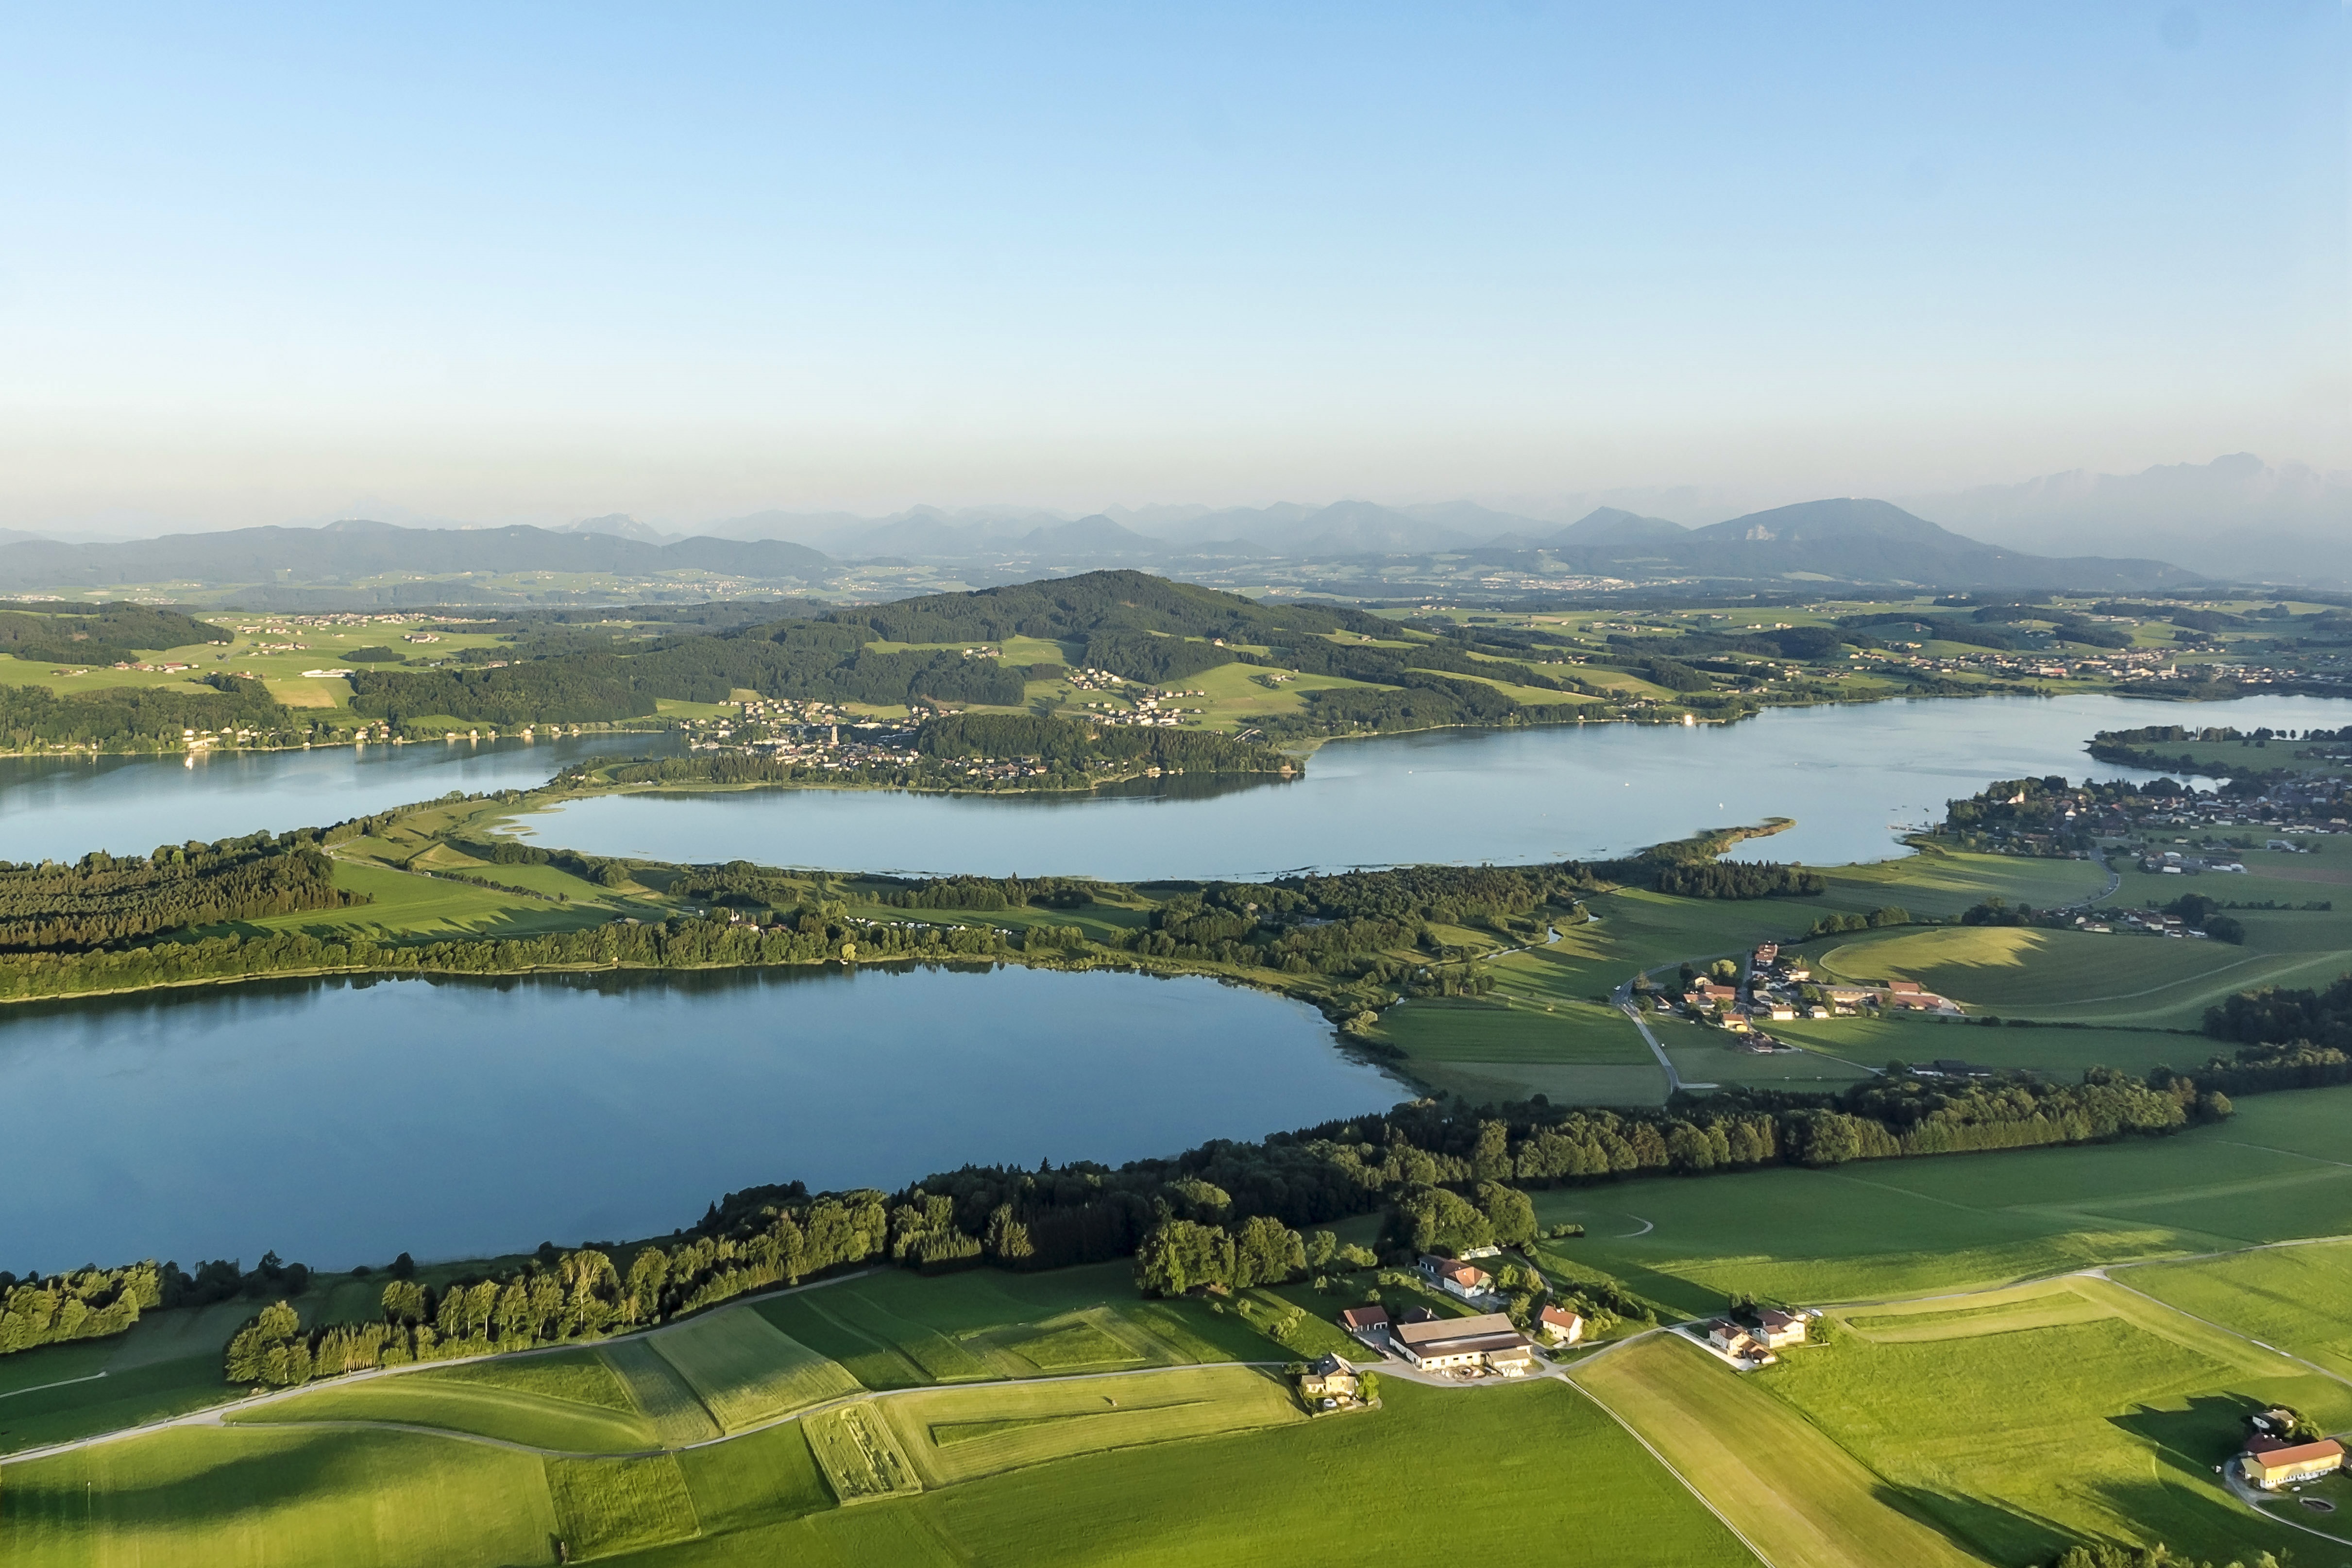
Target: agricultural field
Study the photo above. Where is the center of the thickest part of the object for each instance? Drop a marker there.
(746, 1371)
(569, 1402)
(2280, 1169)
(2062, 976)
(2291, 1296)
(1797, 1495)
(1325, 1491)
(2022, 1422)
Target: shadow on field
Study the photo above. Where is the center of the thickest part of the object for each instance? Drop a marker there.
(1995, 1533)
(2193, 1440)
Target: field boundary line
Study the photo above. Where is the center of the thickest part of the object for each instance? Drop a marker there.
(60, 1383)
(2291, 1153)
(1664, 1463)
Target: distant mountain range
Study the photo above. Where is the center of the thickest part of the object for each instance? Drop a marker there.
(340, 552)
(1845, 540)
(2236, 518)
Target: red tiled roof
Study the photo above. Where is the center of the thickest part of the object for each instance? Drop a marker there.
(2271, 1454)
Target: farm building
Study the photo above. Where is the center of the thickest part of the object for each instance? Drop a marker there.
(1559, 1326)
(1329, 1377)
(2274, 1462)
(1488, 1340)
(1369, 1325)
(1776, 1328)
(1456, 1277)
(1733, 1340)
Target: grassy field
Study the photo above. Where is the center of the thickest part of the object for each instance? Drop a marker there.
(2024, 1430)
(569, 1402)
(196, 1498)
(1523, 1469)
(894, 1330)
(957, 1435)
(746, 1371)
(2280, 1169)
(608, 1506)
(665, 1399)
(2292, 1297)
(1806, 1502)
(860, 1455)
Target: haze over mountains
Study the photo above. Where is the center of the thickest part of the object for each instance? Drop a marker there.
(1843, 540)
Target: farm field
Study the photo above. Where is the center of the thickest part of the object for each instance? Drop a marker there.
(2280, 1169)
(894, 1330)
(1800, 1497)
(568, 1401)
(2293, 1297)
(2066, 975)
(1485, 1451)
(2061, 1052)
(746, 1371)
(2129, 1407)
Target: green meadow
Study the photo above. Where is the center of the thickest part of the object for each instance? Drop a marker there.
(2041, 1423)
(2279, 1170)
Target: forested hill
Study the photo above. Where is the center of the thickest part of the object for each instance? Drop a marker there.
(97, 634)
(1143, 627)
(1104, 603)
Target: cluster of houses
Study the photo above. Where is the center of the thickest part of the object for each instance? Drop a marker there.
(1484, 1344)
(2278, 1455)
(1773, 992)
(1752, 1347)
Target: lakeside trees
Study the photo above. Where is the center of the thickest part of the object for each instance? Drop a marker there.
(105, 899)
(143, 718)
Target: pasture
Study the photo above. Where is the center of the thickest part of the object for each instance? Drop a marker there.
(1515, 1467)
(746, 1371)
(2119, 978)
(1805, 1501)
(2293, 1297)
(2038, 1424)
(2280, 1169)
(570, 1402)
(963, 1434)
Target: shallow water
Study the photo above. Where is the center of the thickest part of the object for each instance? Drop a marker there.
(343, 1121)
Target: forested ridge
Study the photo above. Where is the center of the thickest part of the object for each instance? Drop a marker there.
(104, 899)
(98, 633)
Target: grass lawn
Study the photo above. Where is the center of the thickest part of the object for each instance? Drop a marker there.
(1943, 883)
(2128, 1407)
(1893, 1227)
(1800, 1497)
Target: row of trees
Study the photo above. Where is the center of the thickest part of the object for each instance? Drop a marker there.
(570, 1296)
(684, 942)
(103, 899)
(88, 1304)
(1740, 879)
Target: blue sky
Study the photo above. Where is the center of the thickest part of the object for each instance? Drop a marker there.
(535, 262)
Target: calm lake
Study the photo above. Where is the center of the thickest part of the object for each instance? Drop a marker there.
(51, 808)
(341, 1122)
(1851, 776)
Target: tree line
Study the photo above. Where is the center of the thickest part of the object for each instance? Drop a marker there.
(104, 900)
(1740, 879)
(143, 718)
(565, 1297)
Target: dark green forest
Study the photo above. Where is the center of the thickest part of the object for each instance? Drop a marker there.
(139, 718)
(105, 899)
(98, 633)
